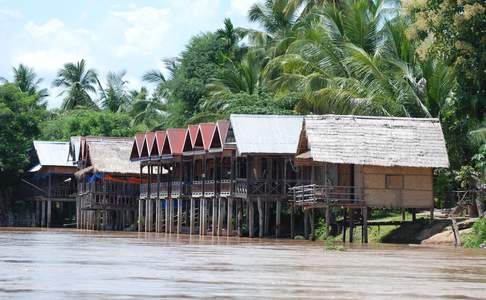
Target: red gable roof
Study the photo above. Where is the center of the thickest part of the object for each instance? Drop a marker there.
(174, 141)
(204, 135)
(149, 139)
(159, 143)
(223, 126)
(136, 148)
(192, 130)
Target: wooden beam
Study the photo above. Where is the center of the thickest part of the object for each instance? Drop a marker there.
(229, 221)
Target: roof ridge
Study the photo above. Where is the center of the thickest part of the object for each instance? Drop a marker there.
(372, 117)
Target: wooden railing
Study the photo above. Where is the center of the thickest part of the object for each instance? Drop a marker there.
(312, 194)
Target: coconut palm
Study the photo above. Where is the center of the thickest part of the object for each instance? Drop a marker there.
(146, 109)
(245, 76)
(114, 96)
(27, 81)
(78, 82)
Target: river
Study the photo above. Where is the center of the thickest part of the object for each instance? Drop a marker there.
(60, 264)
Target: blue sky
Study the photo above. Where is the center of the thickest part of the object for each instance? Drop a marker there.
(110, 34)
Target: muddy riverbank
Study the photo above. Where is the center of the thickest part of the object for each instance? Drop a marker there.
(71, 264)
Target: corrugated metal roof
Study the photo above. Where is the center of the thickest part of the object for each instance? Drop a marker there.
(380, 141)
(206, 130)
(159, 140)
(192, 130)
(270, 134)
(53, 153)
(149, 140)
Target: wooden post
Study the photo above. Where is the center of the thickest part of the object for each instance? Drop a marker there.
(260, 217)
(167, 215)
(266, 216)
(277, 218)
(312, 224)
(214, 219)
(351, 225)
(344, 225)
(365, 224)
(43, 213)
(292, 220)
(220, 216)
(432, 213)
(229, 221)
(179, 215)
(239, 216)
(157, 202)
(403, 214)
(250, 218)
(328, 222)
(191, 216)
(203, 215)
(49, 202)
(306, 222)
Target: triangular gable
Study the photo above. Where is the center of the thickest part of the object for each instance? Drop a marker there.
(192, 129)
(135, 154)
(175, 141)
(230, 136)
(187, 142)
(303, 145)
(198, 142)
(223, 127)
(207, 131)
(158, 143)
(216, 140)
(150, 139)
(145, 152)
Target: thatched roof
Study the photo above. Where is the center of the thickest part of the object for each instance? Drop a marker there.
(380, 141)
(111, 156)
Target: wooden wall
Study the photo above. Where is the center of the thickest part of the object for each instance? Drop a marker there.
(397, 187)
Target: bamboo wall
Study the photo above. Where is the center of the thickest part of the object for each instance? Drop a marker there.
(397, 187)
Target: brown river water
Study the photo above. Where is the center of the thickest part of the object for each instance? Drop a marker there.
(70, 264)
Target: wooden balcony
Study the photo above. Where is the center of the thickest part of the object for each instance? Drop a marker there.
(312, 195)
(209, 188)
(197, 189)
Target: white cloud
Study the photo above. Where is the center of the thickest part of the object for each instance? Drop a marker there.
(48, 60)
(145, 31)
(241, 7)
(39, 31)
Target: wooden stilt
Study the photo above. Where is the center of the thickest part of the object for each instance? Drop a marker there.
(146, 214)
(306, 222)
(250, 218)
(351, 225)
(403, 214)
(49, 202)
(365, 224)
(203, 217)
(414, 215)
(191, 216)
(220, 216)
(167, 215)
(179, 215)
(266, 215)
(432, 213)
(260, 217)
(171, 216)
(239, 217)
(229, 221)
(292, 220)
(328, 222)
(344, 225)
(277, 218)
(43, 213)
(214, 219)
(312, 225)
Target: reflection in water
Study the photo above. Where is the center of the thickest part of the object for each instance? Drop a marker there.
(64, 264)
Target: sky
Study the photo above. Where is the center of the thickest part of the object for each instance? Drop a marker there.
(111, 35)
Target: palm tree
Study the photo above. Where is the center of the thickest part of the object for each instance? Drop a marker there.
(231, 36)
(245, 76)
(27, 81)
(114, 96)
(145, 109)
(351, 60)
(78, 82)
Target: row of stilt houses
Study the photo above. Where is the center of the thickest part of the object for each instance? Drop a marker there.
(252, 175)
(238, 176)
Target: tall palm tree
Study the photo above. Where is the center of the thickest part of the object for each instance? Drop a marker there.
(114, 95)
(146, 109)
(78, 82)
(27, 81)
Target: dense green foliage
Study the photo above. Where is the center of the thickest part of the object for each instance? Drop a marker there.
(20, 114)
(478, 235)
(83, 122)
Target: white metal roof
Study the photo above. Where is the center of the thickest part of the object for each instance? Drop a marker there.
(266, 134)
(380, 141)
(53, 153)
